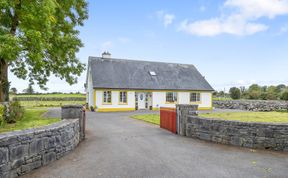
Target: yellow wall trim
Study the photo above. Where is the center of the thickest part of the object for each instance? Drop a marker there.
(94, 93)
(114, 109)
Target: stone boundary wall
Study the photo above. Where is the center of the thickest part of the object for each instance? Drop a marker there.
(23, 151)
(251, 135)
(252, 105)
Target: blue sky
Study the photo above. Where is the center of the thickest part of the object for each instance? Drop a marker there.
(231, 42)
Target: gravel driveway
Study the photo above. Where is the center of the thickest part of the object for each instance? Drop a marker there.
(118, 146)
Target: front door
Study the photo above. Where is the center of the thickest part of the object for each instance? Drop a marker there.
(141, 100)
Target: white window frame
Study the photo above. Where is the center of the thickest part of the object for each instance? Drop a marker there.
(106, 97)
(174, 98)
(196, 98)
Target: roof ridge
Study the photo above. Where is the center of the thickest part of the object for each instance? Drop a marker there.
(133, 60)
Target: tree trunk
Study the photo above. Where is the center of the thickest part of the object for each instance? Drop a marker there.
(4, 84)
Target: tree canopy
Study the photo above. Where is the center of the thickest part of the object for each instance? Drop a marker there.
(235, 93)
(257, 92)
(40, 38)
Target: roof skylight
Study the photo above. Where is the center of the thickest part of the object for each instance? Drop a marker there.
(152, 73)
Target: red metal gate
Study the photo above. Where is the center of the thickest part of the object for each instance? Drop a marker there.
(168, 119)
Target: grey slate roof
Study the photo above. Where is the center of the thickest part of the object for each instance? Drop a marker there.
(133, 74)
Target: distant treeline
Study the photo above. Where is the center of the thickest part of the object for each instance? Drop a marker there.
(52, 93)
(256, 92)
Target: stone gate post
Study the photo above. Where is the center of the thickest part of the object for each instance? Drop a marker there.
(75, 112)
(183, 111)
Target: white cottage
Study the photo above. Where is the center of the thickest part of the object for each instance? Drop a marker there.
(127, 85)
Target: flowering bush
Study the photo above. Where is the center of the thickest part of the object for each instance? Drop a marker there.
(14, 111)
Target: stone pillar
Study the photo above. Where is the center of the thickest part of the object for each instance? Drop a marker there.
(75, 112)
(183, 111)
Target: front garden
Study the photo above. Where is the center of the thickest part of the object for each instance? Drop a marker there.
(19, 119)
(32, 118)
(26, 110)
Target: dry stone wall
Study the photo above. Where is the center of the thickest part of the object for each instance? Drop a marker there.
(252, 105)
(252, 135)
(23, 151)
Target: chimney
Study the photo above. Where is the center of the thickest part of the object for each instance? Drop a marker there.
(106, 55)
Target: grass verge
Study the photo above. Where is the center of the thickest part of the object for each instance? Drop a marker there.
(151, 118)
(273, 117)
(32, 118)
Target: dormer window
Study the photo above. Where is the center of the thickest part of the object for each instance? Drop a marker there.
(152, 73)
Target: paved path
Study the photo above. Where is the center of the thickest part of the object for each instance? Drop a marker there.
(53, 113)
(117, 146)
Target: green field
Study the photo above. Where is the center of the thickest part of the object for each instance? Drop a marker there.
(30, 104)
(274, 117)
(221, 99)
(50, 95)
(32, 118)
(39, 103)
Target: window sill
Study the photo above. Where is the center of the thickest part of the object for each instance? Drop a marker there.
(123, 103)
(107, 103)
(171, 102)
(196, 102)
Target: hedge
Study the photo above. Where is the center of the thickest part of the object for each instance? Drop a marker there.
(49, 99)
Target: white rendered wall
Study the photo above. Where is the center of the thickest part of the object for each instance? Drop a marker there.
(206, 100)
(90, 91)
(159, 99)
(115, 100)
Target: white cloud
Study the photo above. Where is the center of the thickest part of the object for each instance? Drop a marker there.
(106, 45)
(166, 18)
(124, 40)
(217, 26)
(283, 29)
(202, 8)
(241, 21)
(259, 8)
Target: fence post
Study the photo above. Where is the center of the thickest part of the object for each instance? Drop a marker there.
(75, 112)
(183, 110)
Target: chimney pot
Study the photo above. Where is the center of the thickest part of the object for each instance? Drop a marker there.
(106, 55)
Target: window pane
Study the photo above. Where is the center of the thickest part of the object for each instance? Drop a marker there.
(123, 97)
(171, 97)
(107, 96)
(198, 97)
(195, 97)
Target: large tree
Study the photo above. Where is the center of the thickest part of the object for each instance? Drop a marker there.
(39, 38)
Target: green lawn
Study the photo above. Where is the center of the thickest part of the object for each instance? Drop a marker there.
(152, 118)
(276, 117)
(32, 118)
(280, 117)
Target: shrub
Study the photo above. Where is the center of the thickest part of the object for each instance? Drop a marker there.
(1, 114)
(254, 91)
(235, 93)
(284, 95)
(16, 112)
